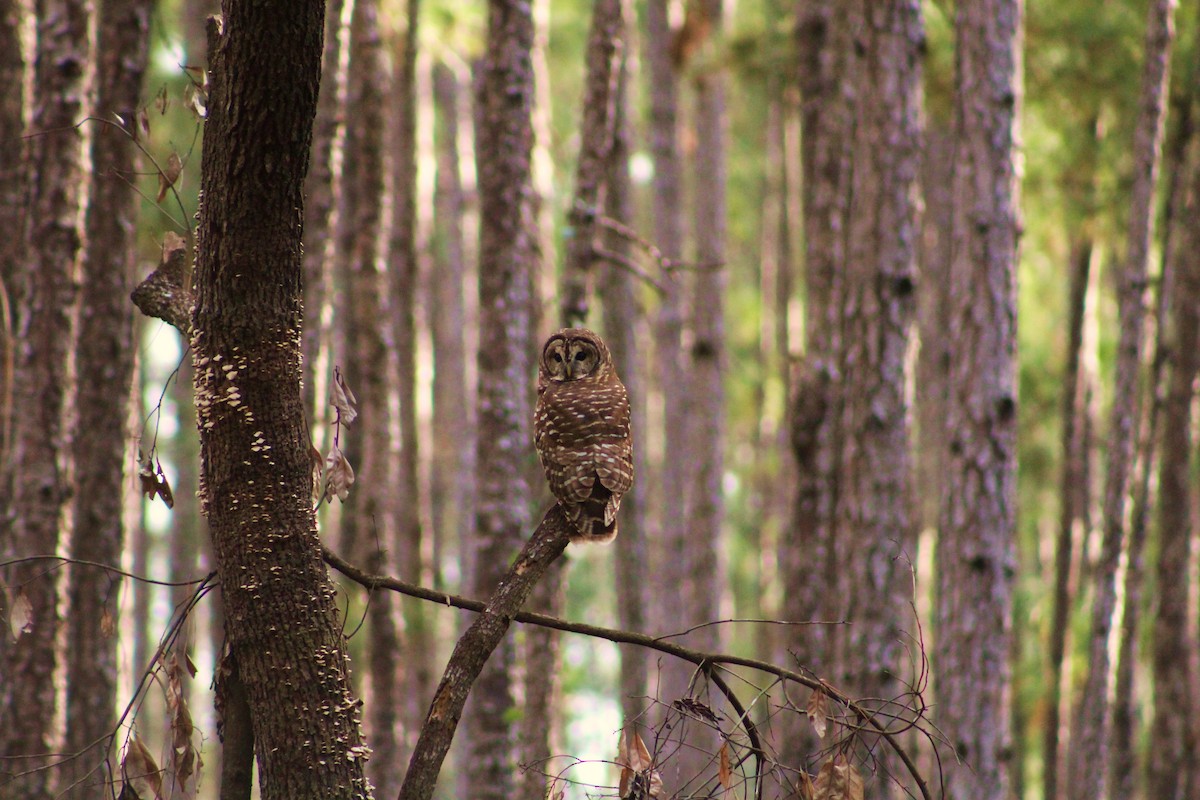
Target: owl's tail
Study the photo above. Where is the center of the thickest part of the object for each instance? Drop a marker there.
(595, 519)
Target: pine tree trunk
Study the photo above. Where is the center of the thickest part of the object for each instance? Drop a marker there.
(36, 496)
(1172, 773)
(368, 519)
(1089, 744)
(976, 539)
(285, 638)
(104, 361)
(507, 248)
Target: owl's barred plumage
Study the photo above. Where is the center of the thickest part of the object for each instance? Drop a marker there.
(582, 431)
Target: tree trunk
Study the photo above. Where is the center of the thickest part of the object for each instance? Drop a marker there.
(507, 248)
(976, 537)
(1171, 771)
(1089, 745)
(322, 188)
(104, 360)
(368, 520)
(284, 634)
(12, 213)
(37, 495)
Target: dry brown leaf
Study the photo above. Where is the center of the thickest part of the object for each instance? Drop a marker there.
(639, 779)
(107, 624)
(818, 711)
(196, 99)
(20, 616)
(154, 480)
(140, 770)
(838, 780)
(807, 791)
(339, 475)
(187, 662)
(162, 101)
(341, 398)
(168, 176)
(724, 773)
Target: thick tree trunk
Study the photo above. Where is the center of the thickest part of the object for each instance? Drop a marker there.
(975, 552)
(1089, 745)
(104, 360)
(284, 634)
(37, 495)
(507, 248)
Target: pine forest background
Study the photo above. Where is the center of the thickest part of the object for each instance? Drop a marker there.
(906, 296)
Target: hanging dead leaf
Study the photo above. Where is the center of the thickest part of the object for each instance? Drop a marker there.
(196, 99)
(143, 123)
(191, 666)
(724, 772)
(818, 711)
(20, 616)
(168, 176)
(154, 480)
(838, 780)
(162, 101)
(339, 475)
(807, 791)
(342, 399)
(639, 779)
(140, 770)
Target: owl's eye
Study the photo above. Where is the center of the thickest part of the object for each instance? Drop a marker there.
(557, 357)
(581, 356)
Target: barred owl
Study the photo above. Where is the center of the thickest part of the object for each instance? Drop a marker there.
(581, 430)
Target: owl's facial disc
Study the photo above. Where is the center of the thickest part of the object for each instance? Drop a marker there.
(555, 360)
(581, 359)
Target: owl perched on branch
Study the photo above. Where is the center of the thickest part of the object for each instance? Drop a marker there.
(582, 432)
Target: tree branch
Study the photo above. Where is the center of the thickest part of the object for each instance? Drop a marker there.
(547, 544)
(473, 650)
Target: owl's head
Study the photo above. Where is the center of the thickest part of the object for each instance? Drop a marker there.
(574, 353)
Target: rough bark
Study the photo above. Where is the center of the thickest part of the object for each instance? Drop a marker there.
(622, 324)
(280, 608)
(368, 521)
(12, 214)
(505, 365)
(321, 190)
(605, 50)
(975, 552)
(670, 556)
(1090, 741)
(104, 360)
(1171, 770)
(37, 494)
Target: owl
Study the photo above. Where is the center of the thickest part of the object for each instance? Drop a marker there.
(582, 433)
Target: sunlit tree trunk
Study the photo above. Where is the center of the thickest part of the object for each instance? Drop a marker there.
(1089, 743)
(975, 555)
(507, 249)
(368, 521)
(104, 360)
(285, 639)
(37, 495)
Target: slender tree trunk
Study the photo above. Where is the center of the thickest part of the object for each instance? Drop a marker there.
(623, 326)
(453, 413)
(37, 495)
(369, 515)
(975, 552)
(12, 218)
(1089, 745)
(104, 360)
(285, 639)
(507, 248)
(1171, 771)
(321, 190)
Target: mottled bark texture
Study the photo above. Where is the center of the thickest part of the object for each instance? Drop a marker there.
(280, 609)
(976, 536)
(1090, 740)
(36, 491)
(605, 50)
(368, 520)
(863, 108)
(12, 217)
(104, 359)
(507, 250)
(1172, 772)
